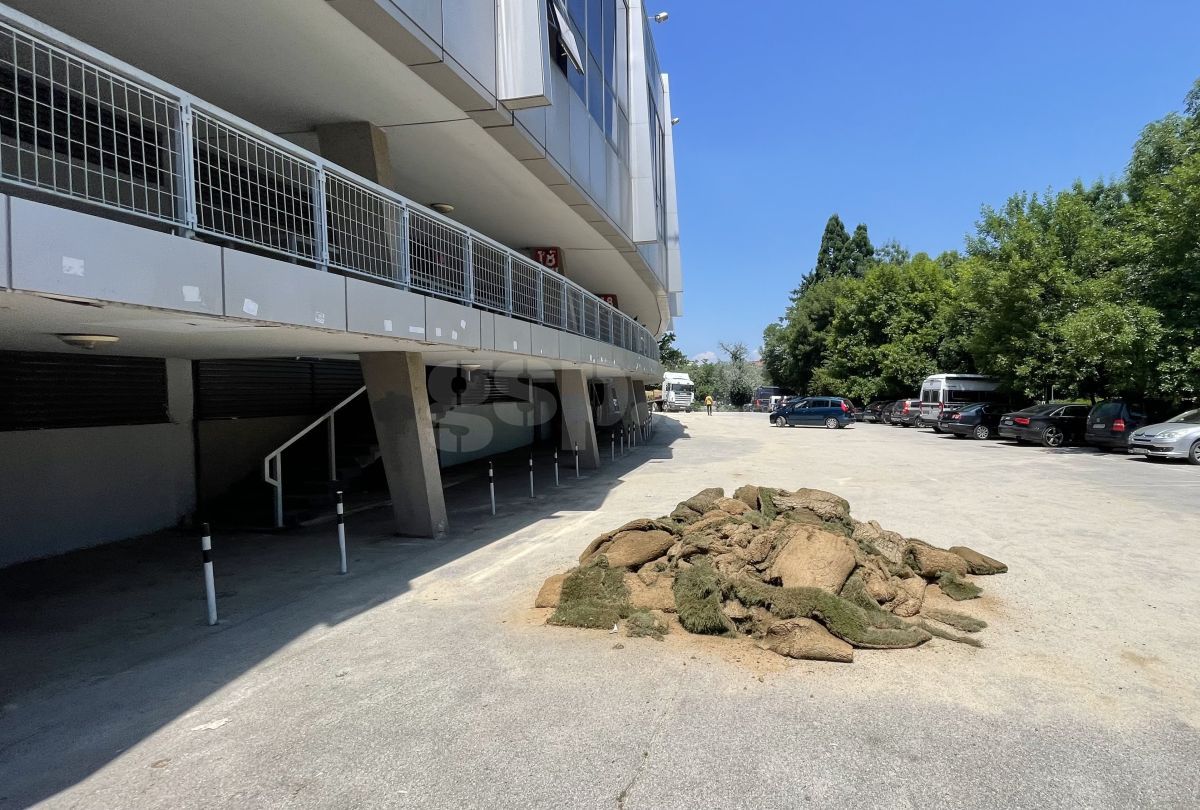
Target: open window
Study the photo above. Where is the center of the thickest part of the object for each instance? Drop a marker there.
(568, 44)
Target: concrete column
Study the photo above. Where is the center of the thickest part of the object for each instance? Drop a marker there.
(626, 388)
(404, 426)
(359, 146)
(578, 427)
(640, 404)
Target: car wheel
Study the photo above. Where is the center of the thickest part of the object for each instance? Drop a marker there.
(919, 423)
(937, 429)
(1053, 437)
(831, 423)
(780, 421)
(1194, 454)
(982, 432)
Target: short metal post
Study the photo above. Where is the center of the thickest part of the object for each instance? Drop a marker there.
(576, 459)
(531, 475)
(341, 529)
(622, 441)
(612, 446)
(210, 587)
(333, 473)
(492, 485)
(556, 466)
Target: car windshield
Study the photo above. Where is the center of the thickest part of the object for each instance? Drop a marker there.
(970, 408)
(1107, 410)
(1040, 409)
(1192, 416)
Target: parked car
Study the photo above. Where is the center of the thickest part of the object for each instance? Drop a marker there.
(1053, 424)
(832, 412)
(979, 420)
(888, 411)
(1178, 437)
(1111, 422)
(949, 392)
(873, 411)
(907, 413)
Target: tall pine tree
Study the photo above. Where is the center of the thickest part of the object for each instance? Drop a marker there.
(833, 246)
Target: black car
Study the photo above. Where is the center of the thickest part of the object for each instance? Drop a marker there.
(979, 420)
(1053, 424)
(1111, 422)
(888, 410)
(874, 410)
(907, 413)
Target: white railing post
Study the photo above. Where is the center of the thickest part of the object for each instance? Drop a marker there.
(320, 218)
(185, 177)
(508, 292)
(405, 271)
(541, 296)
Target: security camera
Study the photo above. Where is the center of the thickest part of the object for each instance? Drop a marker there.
(661, 17)
(674, 120)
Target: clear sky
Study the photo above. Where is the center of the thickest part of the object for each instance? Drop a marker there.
(907, 115)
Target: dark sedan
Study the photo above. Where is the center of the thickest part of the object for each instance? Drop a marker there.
(1053, 424)
(874, 411)
(979, 420)
(907, 413)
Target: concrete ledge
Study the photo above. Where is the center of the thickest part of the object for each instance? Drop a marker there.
(56, 250)
(374, 309)
(261, 289)
(447, 322)
(569, 346)
(545, 341)
(513, 336)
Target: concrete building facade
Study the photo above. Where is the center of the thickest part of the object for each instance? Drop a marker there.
(450, 224)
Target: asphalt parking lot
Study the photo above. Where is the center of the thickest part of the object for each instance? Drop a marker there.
(426, 680)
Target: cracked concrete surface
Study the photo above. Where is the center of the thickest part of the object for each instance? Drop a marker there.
(425, 680)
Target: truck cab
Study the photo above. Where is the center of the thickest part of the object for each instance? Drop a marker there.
(678, 391)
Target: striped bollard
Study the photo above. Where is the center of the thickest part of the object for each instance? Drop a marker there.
(341, 529)
(210, 587)
(531, 475)
(556, 466)
(576, 459)
(622, 441)
(492, 485)
(612, 446)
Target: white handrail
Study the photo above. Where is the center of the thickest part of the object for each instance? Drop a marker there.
(275, 478)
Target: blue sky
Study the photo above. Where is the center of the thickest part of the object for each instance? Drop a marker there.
(907, 115)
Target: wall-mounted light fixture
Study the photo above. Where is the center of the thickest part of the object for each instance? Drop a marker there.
(88, 341)
(442, 208)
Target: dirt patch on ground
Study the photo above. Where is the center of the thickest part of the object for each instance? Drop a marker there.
(783, 573)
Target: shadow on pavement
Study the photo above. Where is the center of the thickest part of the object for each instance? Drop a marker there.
(104, 646)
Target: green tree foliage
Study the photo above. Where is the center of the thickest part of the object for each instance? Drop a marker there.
(1093, 290)
(672, 359)
(730, 381)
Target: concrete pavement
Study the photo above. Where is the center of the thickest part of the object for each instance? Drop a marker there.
(425, 680)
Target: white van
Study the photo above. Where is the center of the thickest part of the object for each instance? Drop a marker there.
(942, 392)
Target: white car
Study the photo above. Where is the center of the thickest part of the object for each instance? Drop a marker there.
(1178, 437)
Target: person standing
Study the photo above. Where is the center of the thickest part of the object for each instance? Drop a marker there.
(708, 403)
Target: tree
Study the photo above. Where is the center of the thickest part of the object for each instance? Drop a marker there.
(830, 254)
(742, 377)
(672, 359)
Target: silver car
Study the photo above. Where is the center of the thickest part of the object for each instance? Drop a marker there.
(1178, 437)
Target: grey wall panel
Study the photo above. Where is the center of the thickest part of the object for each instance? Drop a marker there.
(469, 35)
(569, 346)
(513, 335)
(264, 289)
(5, 267)
(545, 341)
(487, 330)
(425, 13)
(589, 350)
(377, 310)
(534, 121)
(598, 173)
(558, 120)
(447, 322)
(581, 143)
(65, 252)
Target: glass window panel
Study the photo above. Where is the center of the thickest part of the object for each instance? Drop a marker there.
(610, 111)
(595, 97)
(578, 13)
(622, 68)
(610, 39)
(595, 26)
(577, 80)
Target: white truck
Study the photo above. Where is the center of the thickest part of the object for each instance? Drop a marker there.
(678, 392)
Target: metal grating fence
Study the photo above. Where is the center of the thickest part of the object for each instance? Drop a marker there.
(70, 127)
(490, 265)
(437, 256)
(86, 128)
(250, 191)
(552, 300)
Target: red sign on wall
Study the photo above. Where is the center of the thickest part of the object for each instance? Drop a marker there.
(548, 257)
(609, 299)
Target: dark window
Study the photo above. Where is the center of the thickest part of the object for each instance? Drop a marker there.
(969, 395)
(819, 403)
(42, 391)
(229, 389)
(1108, 410)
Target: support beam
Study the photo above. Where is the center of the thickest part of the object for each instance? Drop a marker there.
(404, 426)
(578, 427)
(359, 146)
(640, 405)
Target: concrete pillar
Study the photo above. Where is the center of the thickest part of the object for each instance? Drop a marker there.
(404, 427)
(578, 427)
(359, 146)
(640, 403)
(626, 388)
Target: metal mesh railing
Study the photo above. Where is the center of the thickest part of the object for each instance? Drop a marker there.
(366, 230)
(73, 128)
(437, 256)
(490, 266)
(525, 289)
(90, 129)
(574, 310)
(552, 300)
(250, 191)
